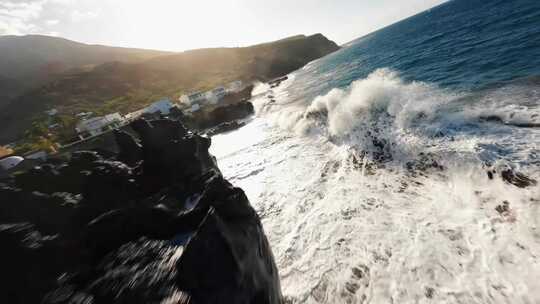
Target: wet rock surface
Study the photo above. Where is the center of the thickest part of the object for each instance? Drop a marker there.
(226, 113)
(225, 127)
(511, 176)
(158, 223)
(231, 113)
(277, 82)
(424, 162)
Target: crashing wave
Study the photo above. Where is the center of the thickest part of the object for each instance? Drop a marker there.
(387, 118)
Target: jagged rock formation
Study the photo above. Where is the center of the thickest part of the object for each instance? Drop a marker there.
(156, 224)
(226, 114)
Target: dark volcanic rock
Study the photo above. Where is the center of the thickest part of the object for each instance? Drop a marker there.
(137, 272)
(130, 149)
(497, 119)
(44, 178)
(229, 257)
(492, 118)
(525, 125)
(83, 160)
(50, 213)
(165, 227)
(424, 162)
(233, 112)
(510, 176)
(171, 154)
(504, 208)
(30, 263)
(50, 178)
(517, 179)
(276, 82)
(225, 114)
(225, 127)
(115, 182)
(115, 228)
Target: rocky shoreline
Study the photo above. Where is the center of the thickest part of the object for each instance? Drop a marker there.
(155, 223)
(226, 117)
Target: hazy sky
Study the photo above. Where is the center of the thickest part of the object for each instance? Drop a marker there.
(186, 24)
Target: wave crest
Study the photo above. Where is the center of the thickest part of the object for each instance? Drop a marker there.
(387, 118)
(383, 93)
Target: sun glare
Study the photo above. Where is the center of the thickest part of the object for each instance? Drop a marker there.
(180, 23)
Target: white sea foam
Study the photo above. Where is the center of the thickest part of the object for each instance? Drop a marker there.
(344, 230)
(415, 117)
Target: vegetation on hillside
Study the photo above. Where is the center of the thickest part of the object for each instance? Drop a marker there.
(5, 151)
(34, 59)
(124, 87)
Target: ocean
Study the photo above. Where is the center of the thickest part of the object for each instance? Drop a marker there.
(380, 172)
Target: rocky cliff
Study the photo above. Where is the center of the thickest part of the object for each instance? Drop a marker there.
(156, 223)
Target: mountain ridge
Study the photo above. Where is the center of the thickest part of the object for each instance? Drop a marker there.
(123, 87)
(33, 59)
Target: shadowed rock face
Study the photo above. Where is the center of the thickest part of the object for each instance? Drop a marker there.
(25, 276)
(158, 224)
(230, 113)
(225, 127)
(510, 176)
(131, 150)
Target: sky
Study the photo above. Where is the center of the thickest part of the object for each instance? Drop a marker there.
(178, 25)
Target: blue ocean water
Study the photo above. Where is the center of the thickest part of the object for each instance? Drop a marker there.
(461, 44)
(466, 69)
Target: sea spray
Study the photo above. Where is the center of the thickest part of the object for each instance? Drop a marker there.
(427, 222)
(404, 168)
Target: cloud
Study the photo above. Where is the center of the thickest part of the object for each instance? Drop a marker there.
(78, 16)
(21, 9)
(21, 17)
(63, 2)
(15, 27)
(16, 17)
(52, 22)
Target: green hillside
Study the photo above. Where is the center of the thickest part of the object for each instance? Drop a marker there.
(124, 87)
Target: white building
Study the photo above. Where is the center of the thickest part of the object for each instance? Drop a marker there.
(134, 115)
(194, 108)
(97, 125)
(194, 98)
(201, 98)
(163, 106)
(235, 86)
(210, 97)
(217, 94)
